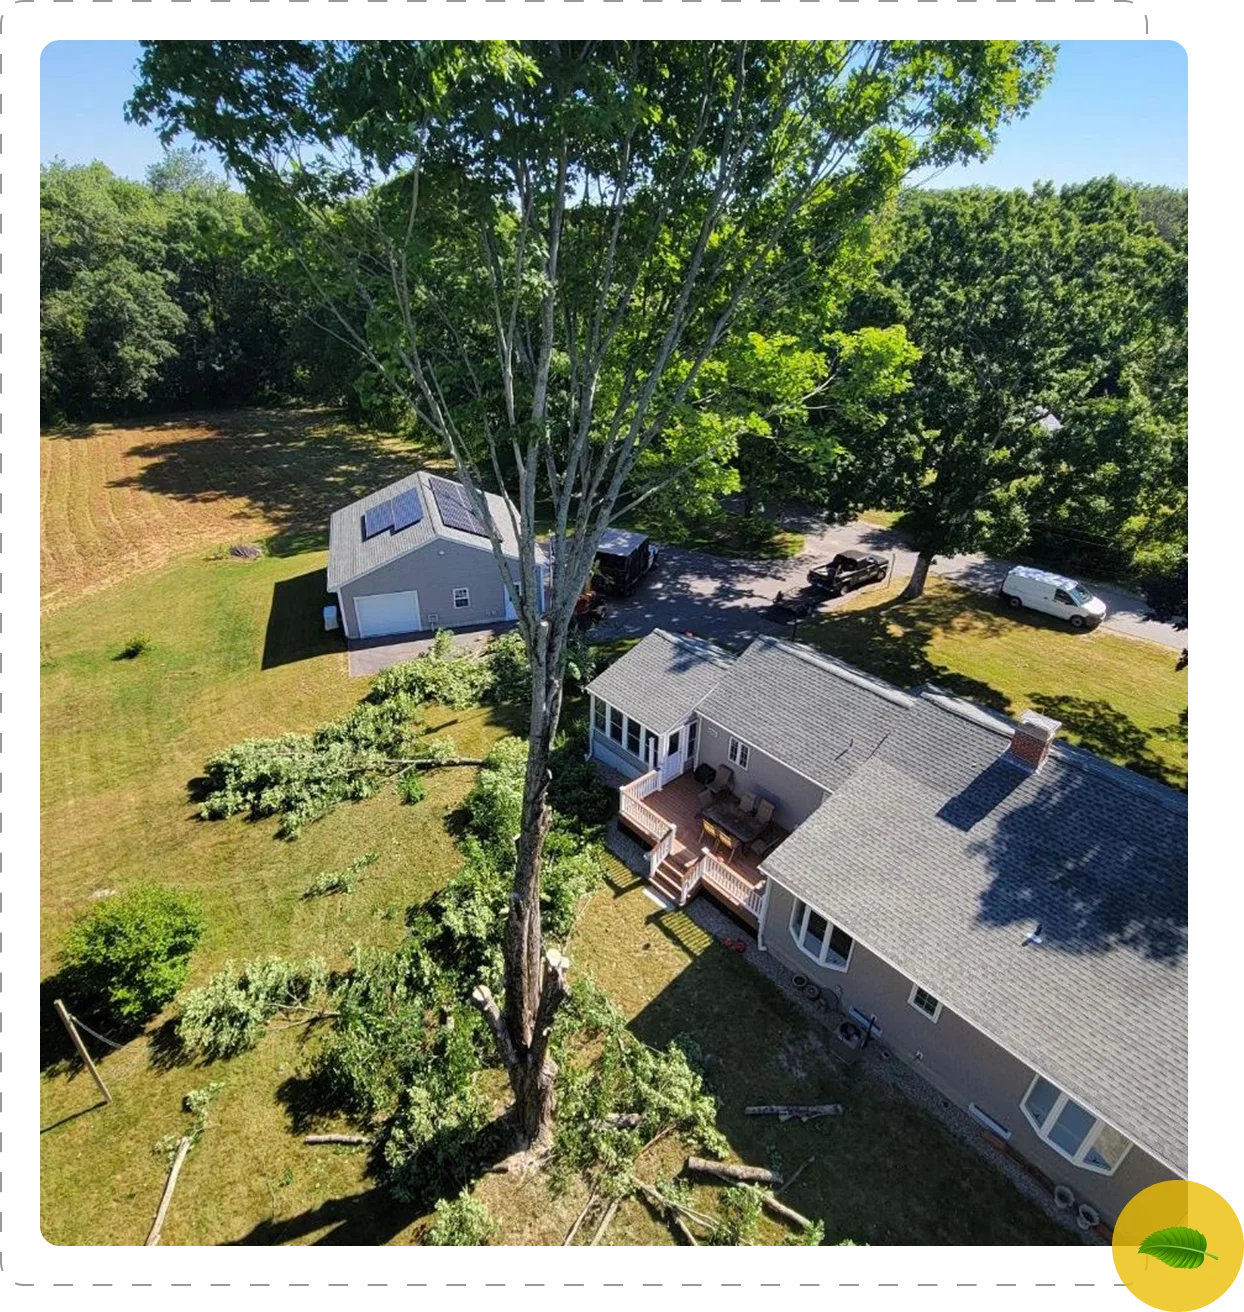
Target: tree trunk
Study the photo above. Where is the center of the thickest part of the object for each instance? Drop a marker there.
(915, 584)
(535, 981)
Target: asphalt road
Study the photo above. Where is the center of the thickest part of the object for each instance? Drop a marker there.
(716, 597)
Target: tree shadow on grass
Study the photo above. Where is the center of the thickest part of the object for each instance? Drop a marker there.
(295, 629)
(891, 640)
(1100, 728)
(295, 466)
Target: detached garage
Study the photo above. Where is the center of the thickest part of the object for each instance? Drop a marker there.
(415, 556)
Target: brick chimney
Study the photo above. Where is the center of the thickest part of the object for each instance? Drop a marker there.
(1032, 740)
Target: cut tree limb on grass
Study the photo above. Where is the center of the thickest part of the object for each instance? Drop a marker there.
(174, 1171)
(799, 1171)
(337, 1138)
(666, 1204)
(606, 1221)
(683, 1230)
(727, 1171)
(578, 1221)
(805, 1111)
(786, 1213)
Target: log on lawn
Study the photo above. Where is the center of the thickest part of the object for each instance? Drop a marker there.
(337, 1138)
(786, 1213)
(727, 1171)
(619, 1121)
(802, 1110)
(182, 1149)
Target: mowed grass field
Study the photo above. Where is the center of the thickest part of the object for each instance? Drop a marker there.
(118, 500)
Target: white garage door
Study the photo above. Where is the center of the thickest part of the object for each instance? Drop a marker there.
(387, 612)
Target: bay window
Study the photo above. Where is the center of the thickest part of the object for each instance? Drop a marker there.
(816, 937)
(1072, 1130)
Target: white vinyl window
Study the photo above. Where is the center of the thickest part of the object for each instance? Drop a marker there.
(818, 938)
(924, 1002)
(602, 715)
(462, 598)
(615, 724)
(740, 753)
(1071, 1130)
(633, 730)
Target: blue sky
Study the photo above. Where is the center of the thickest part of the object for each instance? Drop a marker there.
(1113, 107)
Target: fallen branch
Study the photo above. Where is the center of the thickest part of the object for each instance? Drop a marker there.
(786, 1213)
(610, 1212)
(182, 1149)
(578, 1221)
(805, 1111)
(683, 1231)
(783, 1187)
(727, 1171)
(337, 1138)
(666, 1204)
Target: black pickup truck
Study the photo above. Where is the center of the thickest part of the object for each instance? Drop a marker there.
(847, 571)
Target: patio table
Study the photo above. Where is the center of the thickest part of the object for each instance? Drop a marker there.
(740, 824)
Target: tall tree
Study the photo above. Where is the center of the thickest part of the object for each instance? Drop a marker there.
(1042, 319)
(541, 247)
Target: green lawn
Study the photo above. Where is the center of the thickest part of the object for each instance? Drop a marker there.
(1121, 697)
(236, 653)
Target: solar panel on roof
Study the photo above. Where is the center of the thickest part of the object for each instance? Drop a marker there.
(378, 519)
(407, 510)
(455, 510)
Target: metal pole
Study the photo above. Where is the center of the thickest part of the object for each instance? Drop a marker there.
(67, 1021)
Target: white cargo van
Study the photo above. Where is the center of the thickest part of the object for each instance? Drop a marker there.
(1053, 594)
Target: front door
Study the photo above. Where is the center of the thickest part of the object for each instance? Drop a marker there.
(671, 767)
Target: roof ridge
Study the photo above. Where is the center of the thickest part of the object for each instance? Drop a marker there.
(1068, 753)
(839, 669)
(719, 655)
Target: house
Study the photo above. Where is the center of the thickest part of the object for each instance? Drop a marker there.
(1002, 911)
(415, 556)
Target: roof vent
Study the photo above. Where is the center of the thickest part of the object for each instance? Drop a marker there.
(1032, 740)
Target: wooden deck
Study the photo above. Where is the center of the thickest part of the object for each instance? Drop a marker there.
(678, 804)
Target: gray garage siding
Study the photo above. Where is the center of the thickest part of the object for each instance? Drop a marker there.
(434, 570)
(794, 797)
(956, 1058)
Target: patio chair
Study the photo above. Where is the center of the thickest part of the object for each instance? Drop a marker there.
(747, 802)
(710, 832)
(705, 801)
(760, 846)
(764, 811)
(722, 779)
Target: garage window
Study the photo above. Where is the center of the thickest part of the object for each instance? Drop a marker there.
(462, 598)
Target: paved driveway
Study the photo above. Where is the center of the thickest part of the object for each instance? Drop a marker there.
(709, 595)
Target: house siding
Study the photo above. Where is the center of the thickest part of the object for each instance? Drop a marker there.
(956, 1058)
(794, 798)
(617, 757)
(434, 571)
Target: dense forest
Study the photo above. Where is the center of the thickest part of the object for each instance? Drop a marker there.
(1006, 370)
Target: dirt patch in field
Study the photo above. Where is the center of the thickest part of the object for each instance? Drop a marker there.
(118, 500)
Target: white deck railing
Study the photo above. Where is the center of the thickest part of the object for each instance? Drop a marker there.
(641, 787)
(731, 885)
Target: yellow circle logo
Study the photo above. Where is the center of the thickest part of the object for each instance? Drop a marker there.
(1178, 1246)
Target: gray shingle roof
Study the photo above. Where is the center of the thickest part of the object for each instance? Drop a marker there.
(816, 714)
(940, 855)
(350, 556)
(661, 680)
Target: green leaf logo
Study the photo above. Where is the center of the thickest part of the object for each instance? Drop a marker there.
(1177, 1246)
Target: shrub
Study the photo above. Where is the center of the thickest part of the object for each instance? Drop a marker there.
(340, 881)
(495, 804)
(127, 959)
(411, 788)
(134, 647)
(230, 1013)
(461, 1221)
(740, 1215)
